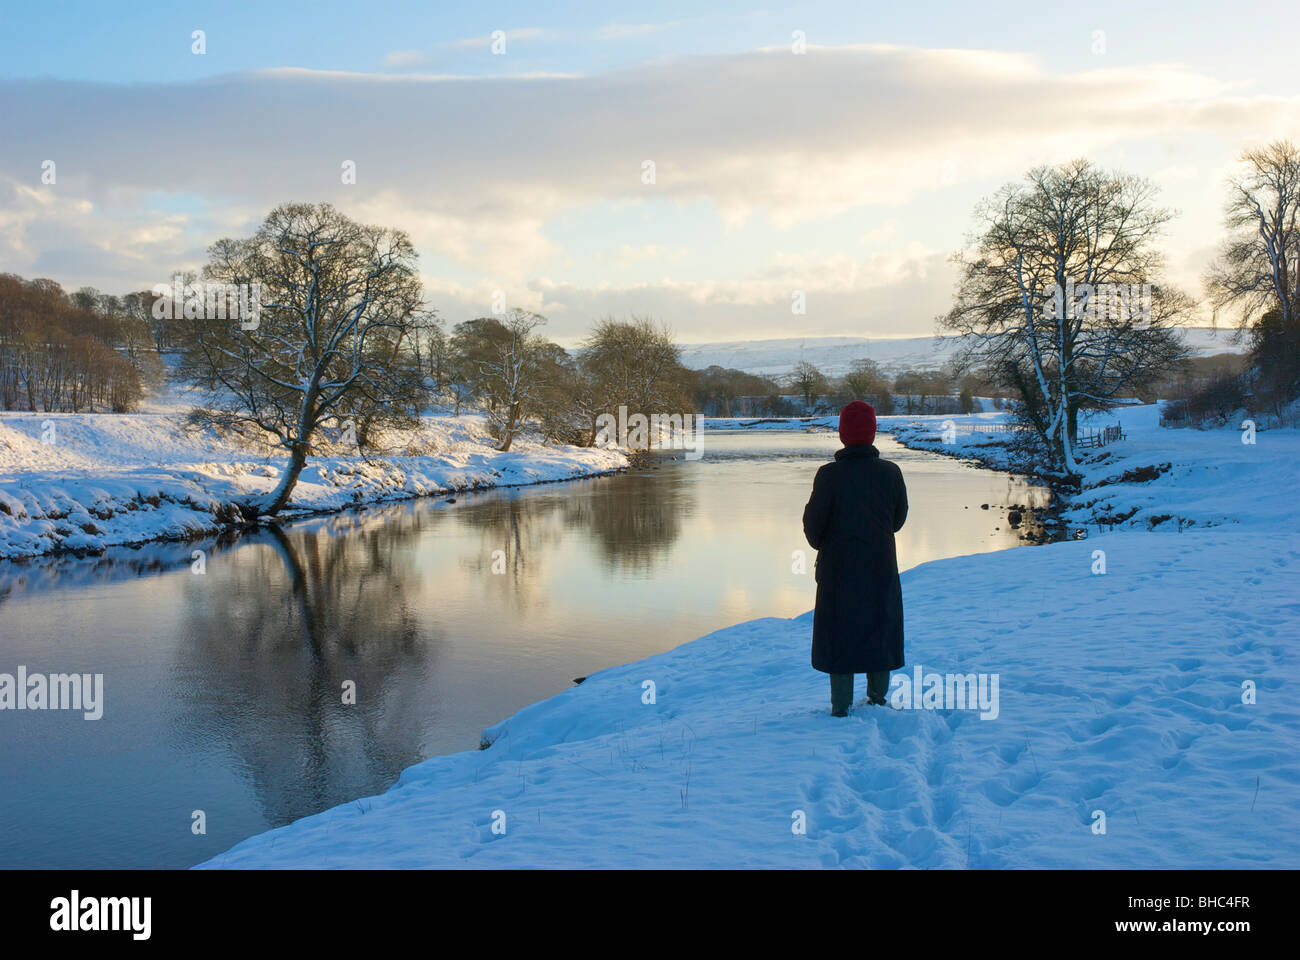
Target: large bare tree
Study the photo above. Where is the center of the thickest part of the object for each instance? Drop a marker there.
(337, 299)
(1257, 267)
(1061, 289)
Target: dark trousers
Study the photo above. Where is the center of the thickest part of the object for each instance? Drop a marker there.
(842, 690)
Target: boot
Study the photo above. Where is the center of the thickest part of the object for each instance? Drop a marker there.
(877, 687)
(841, 694)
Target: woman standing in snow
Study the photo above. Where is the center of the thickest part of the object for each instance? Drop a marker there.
(858, 503)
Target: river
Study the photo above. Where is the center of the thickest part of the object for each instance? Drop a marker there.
(224, 689)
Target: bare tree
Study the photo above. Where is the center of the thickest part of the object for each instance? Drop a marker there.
(808, 381)
(863, 379)
(910, 384)
(1258, 270)
(720, 391)
(1061, 290)
(428, 349)
(508, 367)
(635, 363)
(337, 298)
(509, 373)
(1258, 265)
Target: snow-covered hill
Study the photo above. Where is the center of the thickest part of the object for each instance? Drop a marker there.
(834, 355)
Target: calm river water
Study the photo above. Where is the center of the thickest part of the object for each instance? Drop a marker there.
(222, 690)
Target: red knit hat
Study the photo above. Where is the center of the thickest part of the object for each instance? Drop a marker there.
(857, 424)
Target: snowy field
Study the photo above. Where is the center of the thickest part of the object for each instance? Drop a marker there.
(1154, 699)
(87, 481)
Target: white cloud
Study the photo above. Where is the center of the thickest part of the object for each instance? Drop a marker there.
(481, 171)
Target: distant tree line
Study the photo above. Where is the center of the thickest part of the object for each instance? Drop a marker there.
(70, 353)
(89, 351)
(808, 391)
(518, 378)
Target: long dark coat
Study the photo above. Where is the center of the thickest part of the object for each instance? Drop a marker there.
(858, 503)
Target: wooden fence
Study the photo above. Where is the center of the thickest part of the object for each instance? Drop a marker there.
(1099, 438)
(1087, 438)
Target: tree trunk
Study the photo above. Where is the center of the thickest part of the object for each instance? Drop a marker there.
(276, 501)
(312, 620)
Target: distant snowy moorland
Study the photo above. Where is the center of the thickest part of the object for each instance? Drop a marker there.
(834, 355)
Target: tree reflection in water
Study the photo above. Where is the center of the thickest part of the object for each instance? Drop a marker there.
(277, 629)
(286, 616)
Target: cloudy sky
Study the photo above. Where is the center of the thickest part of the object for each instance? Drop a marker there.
(847, 171)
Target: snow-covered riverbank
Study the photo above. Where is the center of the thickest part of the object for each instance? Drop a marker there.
(88, 481)
(1142, 686)
(1152, 477)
